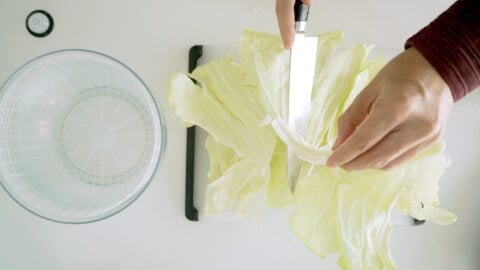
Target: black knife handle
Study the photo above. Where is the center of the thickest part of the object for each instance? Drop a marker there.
(301, 11)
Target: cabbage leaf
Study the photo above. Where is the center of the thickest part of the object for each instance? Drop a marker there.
(242, 103)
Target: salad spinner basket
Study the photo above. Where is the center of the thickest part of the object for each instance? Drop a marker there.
(80, 136)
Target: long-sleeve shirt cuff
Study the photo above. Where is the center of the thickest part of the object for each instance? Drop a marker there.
(451, 43)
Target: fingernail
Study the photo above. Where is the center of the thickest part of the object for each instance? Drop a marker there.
(331, 163)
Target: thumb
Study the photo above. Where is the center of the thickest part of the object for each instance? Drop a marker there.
(353, 117)
(286, 21)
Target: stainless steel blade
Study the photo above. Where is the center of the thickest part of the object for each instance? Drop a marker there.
(302, 68)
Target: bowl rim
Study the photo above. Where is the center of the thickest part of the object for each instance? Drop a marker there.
(159, 158)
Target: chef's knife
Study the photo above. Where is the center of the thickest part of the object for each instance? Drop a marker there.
(302, 67)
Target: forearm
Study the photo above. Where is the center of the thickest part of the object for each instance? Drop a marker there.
(451, 43)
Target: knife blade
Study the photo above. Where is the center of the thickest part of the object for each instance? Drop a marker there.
(302, 68)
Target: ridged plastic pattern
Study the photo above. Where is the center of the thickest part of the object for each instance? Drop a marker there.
(80, 136)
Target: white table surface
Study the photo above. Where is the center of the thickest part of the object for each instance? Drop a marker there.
(153, 37)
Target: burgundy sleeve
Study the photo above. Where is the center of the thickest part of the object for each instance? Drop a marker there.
(451, 43)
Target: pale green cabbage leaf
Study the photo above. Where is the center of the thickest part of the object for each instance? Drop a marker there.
(242, 104)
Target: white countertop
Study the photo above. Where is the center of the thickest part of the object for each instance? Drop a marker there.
(153, 38)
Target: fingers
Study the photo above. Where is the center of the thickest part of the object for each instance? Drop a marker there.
(394, 145)
(410, 108)
(411, 153)
(286, 20)
(352, 117)
(376, 125)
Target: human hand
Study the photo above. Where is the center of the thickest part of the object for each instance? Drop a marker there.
(286, 20)
(402, 111)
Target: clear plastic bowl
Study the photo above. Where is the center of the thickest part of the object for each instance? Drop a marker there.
(80, 136)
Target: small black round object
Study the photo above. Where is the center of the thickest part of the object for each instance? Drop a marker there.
(39, 23)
